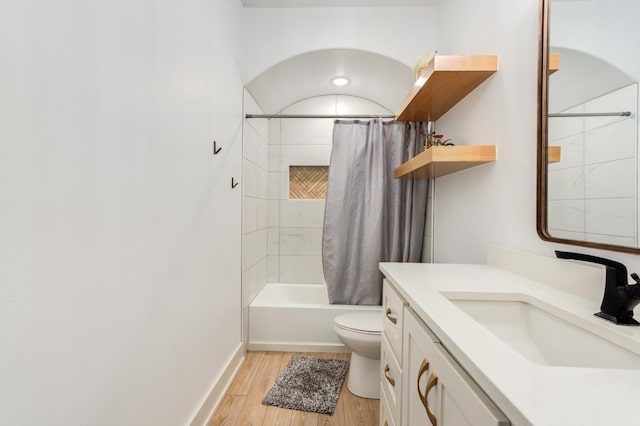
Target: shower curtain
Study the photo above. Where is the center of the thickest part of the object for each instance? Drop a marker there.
(371, 217)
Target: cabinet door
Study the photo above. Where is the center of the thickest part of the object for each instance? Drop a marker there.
(393, 309)
(391, 379)
(437, 392)
(417, 352)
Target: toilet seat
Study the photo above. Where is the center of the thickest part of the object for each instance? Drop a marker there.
(360, 322)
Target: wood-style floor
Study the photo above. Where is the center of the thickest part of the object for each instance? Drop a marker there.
(242, 404)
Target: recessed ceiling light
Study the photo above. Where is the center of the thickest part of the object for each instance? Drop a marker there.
(340, 81)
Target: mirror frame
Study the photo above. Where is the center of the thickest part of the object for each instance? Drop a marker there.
(542, 151)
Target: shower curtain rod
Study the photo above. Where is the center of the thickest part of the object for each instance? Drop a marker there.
(334, 116)
(593, 114)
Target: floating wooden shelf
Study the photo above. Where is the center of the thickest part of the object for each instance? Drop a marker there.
(554, 62)
(553, 154)
(447, 80)
(442, 160)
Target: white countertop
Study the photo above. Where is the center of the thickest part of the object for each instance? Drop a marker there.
(527, 393)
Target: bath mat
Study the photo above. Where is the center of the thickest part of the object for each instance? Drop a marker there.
(309, 384)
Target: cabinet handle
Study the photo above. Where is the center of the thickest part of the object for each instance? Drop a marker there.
(388, 314)
(423, 369)
(391, 381)
(433, 380)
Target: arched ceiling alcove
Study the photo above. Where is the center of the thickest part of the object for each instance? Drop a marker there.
(582, 77)
(373, 76)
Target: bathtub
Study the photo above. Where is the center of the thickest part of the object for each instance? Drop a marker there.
(296, 318)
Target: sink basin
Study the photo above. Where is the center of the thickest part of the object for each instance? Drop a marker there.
(542, 337)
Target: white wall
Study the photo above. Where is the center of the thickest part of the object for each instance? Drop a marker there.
(276, 34)
(495, 203)
(119, 232)
(295, 225)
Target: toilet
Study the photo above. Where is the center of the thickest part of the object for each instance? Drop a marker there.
(361, 333)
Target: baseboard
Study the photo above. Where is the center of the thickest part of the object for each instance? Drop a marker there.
(297, 347)
(220, 386)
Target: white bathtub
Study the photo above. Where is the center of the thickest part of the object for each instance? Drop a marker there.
(296, 317)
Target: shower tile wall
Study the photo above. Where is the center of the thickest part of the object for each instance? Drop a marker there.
(596, 177)
(295, 225)
(254, 204)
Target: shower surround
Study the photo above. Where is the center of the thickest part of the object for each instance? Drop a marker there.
(294, 235)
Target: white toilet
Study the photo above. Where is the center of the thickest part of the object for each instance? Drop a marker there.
(361, 332)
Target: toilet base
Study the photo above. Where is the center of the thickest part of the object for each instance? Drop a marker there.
(364, 377)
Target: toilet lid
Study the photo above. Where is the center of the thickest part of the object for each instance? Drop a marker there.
(365, 322)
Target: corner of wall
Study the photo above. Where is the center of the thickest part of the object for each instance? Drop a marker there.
(214, 397)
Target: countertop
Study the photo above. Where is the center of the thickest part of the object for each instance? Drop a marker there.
(527, 393)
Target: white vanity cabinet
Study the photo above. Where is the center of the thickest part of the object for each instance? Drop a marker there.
(421, 384)
(436, 390)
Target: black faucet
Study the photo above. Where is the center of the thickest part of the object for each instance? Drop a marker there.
(619, 297)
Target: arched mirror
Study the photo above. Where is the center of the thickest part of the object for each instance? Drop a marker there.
(588, 159)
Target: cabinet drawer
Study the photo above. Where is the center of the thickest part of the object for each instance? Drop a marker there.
(386, 419)
(391, 379)
(393, 310)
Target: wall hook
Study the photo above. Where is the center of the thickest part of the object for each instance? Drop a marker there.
(234, 183)
(215, 148)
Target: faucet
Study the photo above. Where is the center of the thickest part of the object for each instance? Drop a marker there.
(619, 296)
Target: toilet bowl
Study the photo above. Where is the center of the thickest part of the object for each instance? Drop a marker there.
(361, 333)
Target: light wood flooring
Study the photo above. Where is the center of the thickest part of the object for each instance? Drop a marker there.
(242, 404)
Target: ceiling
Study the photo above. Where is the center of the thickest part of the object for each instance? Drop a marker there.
(373, 76)
(337, 3)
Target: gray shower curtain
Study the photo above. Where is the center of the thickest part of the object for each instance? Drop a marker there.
(371, 217)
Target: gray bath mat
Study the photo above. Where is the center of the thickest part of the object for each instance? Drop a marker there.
(309, 384)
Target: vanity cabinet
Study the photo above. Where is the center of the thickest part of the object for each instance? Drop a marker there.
(436, 390)
(421, 384)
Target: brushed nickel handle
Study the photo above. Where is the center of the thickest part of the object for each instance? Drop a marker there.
(391, 381)
(391, 318)
(433, 380)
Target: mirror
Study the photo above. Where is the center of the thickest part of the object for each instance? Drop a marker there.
(588, 162)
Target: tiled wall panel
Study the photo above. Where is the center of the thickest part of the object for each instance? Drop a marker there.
(593, 189)
(295, 225)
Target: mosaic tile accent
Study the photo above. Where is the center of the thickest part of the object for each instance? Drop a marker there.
(308, 182)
